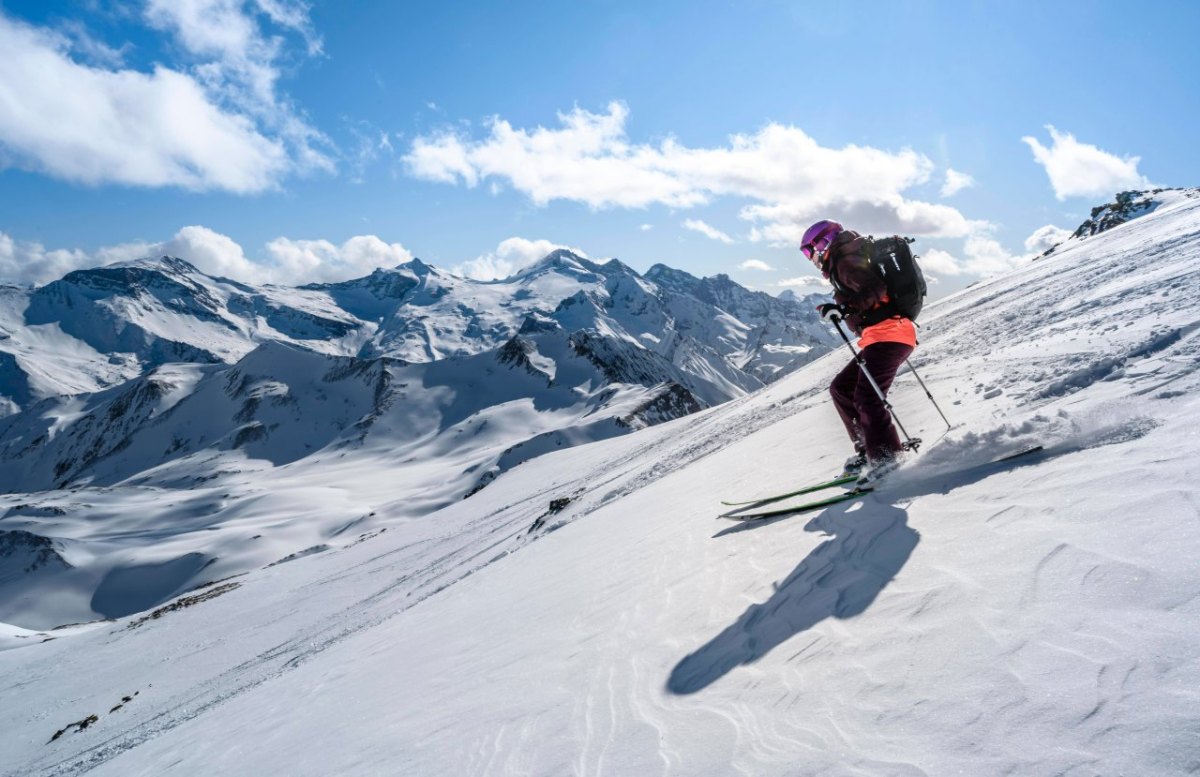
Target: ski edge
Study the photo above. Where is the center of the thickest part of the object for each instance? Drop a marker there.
(853, 494)
(806, 490)
(1019, 454)
(755, 516)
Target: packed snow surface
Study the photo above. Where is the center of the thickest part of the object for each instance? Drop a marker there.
(586, 614)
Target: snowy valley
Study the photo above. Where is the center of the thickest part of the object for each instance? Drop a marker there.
(414, 524)
(411, 385)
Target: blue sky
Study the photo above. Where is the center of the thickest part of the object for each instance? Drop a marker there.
(288, 141)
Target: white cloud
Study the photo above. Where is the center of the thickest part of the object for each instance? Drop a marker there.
(369, 146)
(939, 261)
(285, 261)
(590, 159)
(646, 227)
(220, 126)
(806, 283)
(322, 261)
(509, 257)
(985, 256)
(211, 252)
(237, 61)
(711, 232)
(97, 126)
(1046, 237)
(755, 264)
(29, 263)
(956, 182)
(1083, 170)
(214, 253)
(91, 50)
(293, 14)
(783, 224)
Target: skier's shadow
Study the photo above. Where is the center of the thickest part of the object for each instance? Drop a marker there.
(870, 543)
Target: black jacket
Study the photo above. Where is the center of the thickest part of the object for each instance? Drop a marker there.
(857, 287)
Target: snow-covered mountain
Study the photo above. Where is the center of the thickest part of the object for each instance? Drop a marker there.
(780, 327)
(1124, 207)
(94, 329)
(584, 613)
(153, 375)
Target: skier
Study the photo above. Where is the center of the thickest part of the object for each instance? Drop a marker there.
(885, 341)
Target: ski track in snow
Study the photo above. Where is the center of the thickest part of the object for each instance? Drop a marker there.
(963, 620)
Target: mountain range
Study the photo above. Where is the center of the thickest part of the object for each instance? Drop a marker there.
(153, 375)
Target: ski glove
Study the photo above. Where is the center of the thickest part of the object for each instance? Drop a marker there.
(831, 312)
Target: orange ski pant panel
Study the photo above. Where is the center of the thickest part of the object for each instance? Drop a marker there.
(890, 330)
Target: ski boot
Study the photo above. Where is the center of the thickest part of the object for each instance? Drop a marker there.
(854, 465)
(876, 472)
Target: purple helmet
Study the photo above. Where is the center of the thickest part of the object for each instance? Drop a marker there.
(818, 238)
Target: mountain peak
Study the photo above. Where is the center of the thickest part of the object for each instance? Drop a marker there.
(673, 280)
(417, 267)
(128, 275)
(613, 266)
(560, 260)
(166, 264)
(562, 255)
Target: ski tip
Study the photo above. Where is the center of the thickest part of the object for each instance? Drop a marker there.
(1019, 454)
(736, 515)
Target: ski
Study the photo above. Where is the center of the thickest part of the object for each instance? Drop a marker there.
(758, 515)
(843, 497)
(1019, 454)
(841, 481)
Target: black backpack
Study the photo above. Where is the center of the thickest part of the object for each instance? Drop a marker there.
(892, 259)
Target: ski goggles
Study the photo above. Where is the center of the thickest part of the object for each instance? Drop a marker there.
(815, 251)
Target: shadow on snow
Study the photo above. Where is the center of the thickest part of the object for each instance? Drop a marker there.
(839, 579)
(870, 543)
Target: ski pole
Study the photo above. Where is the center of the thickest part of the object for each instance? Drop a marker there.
(862, 364)
(913, 370)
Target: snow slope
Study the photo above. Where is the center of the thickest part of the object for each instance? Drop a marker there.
(191, 391)
(585, 614)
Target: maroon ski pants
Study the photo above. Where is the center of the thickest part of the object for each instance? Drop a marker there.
(866, 417)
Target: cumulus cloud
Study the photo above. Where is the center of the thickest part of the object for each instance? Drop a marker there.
(793, 180)
(755, 264)
(285, 261)
(939, 261)
(806, 284)
(1083, 170)
(238, 61)
(98, 126)
(222, 125)
(646, 227)
(709, 231)
(985, 256)
(509, 257)
(30, 263)
(956, 182)
(321, 260)
(1046, 237)
(783, 224)
(981, 255)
